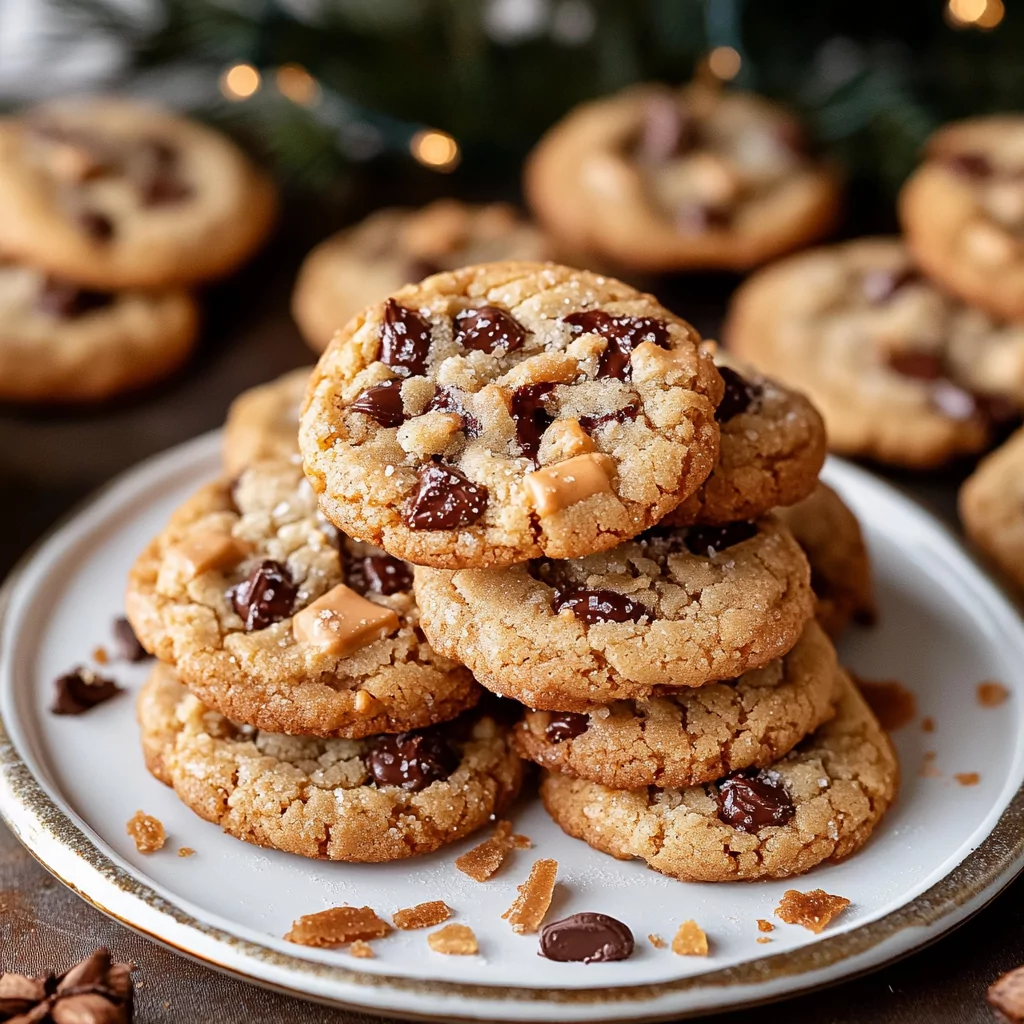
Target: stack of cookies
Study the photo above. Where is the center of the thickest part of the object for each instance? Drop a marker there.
(109, 212)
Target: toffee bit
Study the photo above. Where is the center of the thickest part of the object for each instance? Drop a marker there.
(454, 940)
(812, 910)
(487, 857)
(423, 915)
(337, 926)
(362, 949)
(148, 833)
(764, 926)
(186, 851)
(991, 695)
(535, 894)
(657, 941)
(690, 940)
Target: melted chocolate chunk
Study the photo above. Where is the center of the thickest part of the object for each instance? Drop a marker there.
(587, 938)
(669, 129)
(706, 540)
(695, 218)
(127, 643)
(412, 760)
(593, 606)
(382, 402)
(739, 394)
(970, 165)
(81, 689)
(405, 340)
(488, 327)
(450, 400)
(919, 365)
(445, 500)
(565, 725)
(380, 574)
(623, 415)
(623, 334)
(66, 301)
(750, 801)
(880, 286)
(530, 416)
(266, 597)
(98, 226)
(954, 401)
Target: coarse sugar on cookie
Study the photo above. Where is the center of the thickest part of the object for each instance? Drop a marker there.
(674, 608)
(506, 411)
(274, 619)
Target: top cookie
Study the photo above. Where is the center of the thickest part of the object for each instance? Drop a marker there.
(963, 212)
(656, 179)
(501, 412)
(112, 194)
(392, 247)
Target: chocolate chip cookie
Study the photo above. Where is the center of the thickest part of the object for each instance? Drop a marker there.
(840, 566)
(655, 179)
(819, 803)
(963, 212)
(275, 620)
(697, 736)
(900, 372)
(393, 247)
(380, 798)
(506, 411)
(674, 608)
(263, 422)
(63, 343)
(112, 194)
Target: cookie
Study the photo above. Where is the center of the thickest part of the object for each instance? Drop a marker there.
(684, 739)
(655, 179)
(274, 620)
(63, 343)
(674, 608)
(962, 212)
(900, 372)
(819, 803)
(397, 246)
(840, 566)
(112, 195)
(506, 411)
(771, 450)
(380, 798)
(992, 507)
(263, 422)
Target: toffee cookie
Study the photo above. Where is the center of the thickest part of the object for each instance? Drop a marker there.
(274, 620)
(375, 799)
(112, 194)
(819, 803)
(393, 247)
(962, 212)
(771, 450)
(263, 422)
(655, 179)
(840, 566)
(900, 372)
(698, 736)
(506, 411)
(674, 608)
(63, 343)
(992, 507)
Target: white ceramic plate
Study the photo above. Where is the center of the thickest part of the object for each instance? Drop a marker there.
(68, 785)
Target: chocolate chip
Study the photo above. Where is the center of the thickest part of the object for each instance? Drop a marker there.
(565, 725)
(970, 165)
(412, 760)
(668, 129)
(880, 285)
(626, 413)
(706, 540)
(593, 606)
(450, 400)
(445, 500)
(694, 218)
(127, 643)
(266, 597)
(98, 226)
(380, 574)
(382, 402)
(587, 938)
(623, 334)
(530, 416)
(488, 327)
(919, 365)
(81, 689)
(62, 299)
(953, 401)
(739, 394)
(405, 340)
(750, 801)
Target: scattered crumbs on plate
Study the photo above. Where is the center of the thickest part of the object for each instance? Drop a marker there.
(991, 694)
(967, 778)
(186, 851)
(812, 910)
(657, 941)
(928, 724)
(148, 833)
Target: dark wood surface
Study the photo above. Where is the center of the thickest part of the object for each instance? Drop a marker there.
(52, 459)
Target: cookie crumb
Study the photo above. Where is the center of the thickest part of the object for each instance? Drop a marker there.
(813, 910)
(762, 939)
(893, 704)
(690, 940)
(362, 949)
(485, 859)
(764, 926)
(928, 769)
(148, 833)
(534, 899)
(991, 695)
(337, 927)
(1006, 995)
(100, 656)
(657, 941)
(928, 724)
(967, 778)
(423, 915)
(454, 940)
(186, 851)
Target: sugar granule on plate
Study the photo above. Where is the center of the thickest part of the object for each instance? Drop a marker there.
(812, 910)
(337, 926)
(423, 915)
(534, 899)
(454, 940)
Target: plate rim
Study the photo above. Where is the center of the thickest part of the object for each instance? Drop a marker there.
(56, 841)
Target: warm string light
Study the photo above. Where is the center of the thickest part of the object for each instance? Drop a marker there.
(983, 14)
(724, 62)
(297, 84)
(240, 81)
(435, 149)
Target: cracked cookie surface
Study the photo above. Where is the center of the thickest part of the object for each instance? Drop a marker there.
(509, 410)
(819, 803)
(696, 736)
(275, 620)
(375, 799)
(673, 608)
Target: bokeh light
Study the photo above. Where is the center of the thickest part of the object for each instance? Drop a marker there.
(435, 149)
(240, 81)
(295, 82)
(724, 62)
